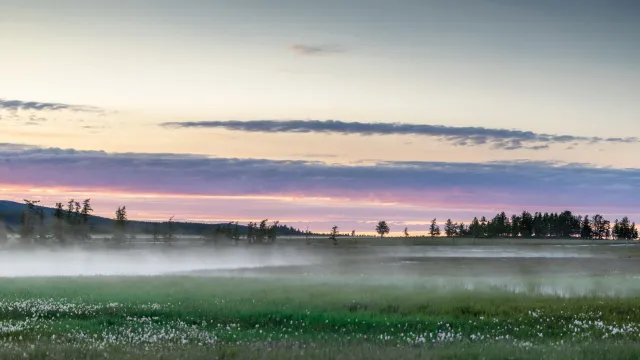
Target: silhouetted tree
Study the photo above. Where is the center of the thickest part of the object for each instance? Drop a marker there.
(59, 224)
(461, 230)
(449, 228)
(382, 228)
(262, 232)
(406, 232)
(434, 229)
(484, 227)
(272, 232)
(120, 231)
(526, 224)
(84, 231)
(334, 234)
(600, 228)
(585, 230)
(624, 229)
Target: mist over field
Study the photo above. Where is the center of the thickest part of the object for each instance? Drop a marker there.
(142, 261)
(555, 269)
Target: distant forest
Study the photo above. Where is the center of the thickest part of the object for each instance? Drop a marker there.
(538, 225)
(73, 222)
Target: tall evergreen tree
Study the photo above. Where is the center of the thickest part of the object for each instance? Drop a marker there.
(120, 231)
(461, 230)
(585, 230)
(515, 225)
(483, 227)
(85, 214)
(434, 229)
(526, 224)
(449, 228)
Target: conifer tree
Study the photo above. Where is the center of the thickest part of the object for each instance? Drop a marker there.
(434, 229)
(449, 228)
(120, 231)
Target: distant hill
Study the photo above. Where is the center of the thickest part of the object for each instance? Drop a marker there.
(10, 212)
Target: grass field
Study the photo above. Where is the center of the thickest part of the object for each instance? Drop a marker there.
(370, 304)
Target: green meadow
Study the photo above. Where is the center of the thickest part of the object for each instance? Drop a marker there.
(287, 317)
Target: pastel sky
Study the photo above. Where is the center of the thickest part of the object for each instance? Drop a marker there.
(322, 112)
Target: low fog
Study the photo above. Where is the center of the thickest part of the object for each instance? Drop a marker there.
(143, 261)
(550, 269)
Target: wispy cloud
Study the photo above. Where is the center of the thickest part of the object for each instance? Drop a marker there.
(19, 105)
(316, 50)
(514, 184)
(503, 139)
(34, 113)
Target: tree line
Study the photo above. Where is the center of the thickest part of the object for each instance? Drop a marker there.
(538, 225)
(70, 223)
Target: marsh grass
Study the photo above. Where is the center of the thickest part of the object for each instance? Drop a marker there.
(199, 317)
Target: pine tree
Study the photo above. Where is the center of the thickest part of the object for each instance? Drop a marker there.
(484, 227)
(586, 232)
(449, 228)
(59, 224)
(434, 229)
(84, 232)
(462, 230)
(120, 231)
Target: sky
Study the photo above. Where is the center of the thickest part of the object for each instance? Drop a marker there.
(318, 113)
